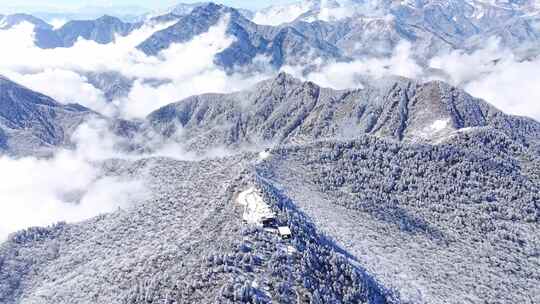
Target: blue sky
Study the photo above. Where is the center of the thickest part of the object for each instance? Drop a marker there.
(151, 4)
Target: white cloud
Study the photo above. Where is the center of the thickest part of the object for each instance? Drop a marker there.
(64, 86)
(57, 72)
(182, 70)
(344, 75)
(190, 69)
(68, 187)
(497, 76)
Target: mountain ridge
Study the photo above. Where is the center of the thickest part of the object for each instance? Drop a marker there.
(33, 123)
(286, 110)
(281, 45)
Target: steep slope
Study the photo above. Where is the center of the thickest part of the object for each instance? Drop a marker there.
(451, 223)
(359, 28)
(281, 45)
(186, 244)
(285, 110)
(45, 36)
(400, 192)
(9, 21)
(32, 123)
(101, 30)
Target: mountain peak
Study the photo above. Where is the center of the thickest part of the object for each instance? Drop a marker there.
(9, 21)
(284, 77)
(108, 19)
(286, 110)
(32, 122)
(210, 9)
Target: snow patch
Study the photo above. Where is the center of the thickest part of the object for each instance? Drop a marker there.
(436, 129)
(264, 155)
(466, 130)
(255, 209)
(57, 23)
(279, 14)
(439, 125)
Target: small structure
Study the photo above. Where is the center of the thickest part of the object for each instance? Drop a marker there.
(284, 232)
(269, 222)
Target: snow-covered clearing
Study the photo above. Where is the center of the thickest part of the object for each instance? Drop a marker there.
(439, 125)
(264, 155)
(255, 209)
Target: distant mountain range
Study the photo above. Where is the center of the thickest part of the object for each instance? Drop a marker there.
(128, 13)
(101, 30)
(282, 45)
(369, 29)
(183, 9)
(34, 124)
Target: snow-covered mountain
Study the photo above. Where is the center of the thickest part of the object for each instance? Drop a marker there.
(279, 14)
(364, 28)
(285, 110)
(102, 30)
(182, 9)
(32, 123)
(397, 191)
(454, 23)
(328, 10)
(281, 45)
(370, 209)
(9, 21)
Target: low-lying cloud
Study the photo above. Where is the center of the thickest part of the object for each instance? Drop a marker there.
(497, 75)
(492, 73)
(182, 70)
(71, 186)
(346, 75)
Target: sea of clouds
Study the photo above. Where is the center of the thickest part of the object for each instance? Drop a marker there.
(70, 186)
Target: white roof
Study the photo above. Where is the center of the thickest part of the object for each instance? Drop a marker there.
(284, 231)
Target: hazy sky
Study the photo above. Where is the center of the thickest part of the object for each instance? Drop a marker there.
(151, 4)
